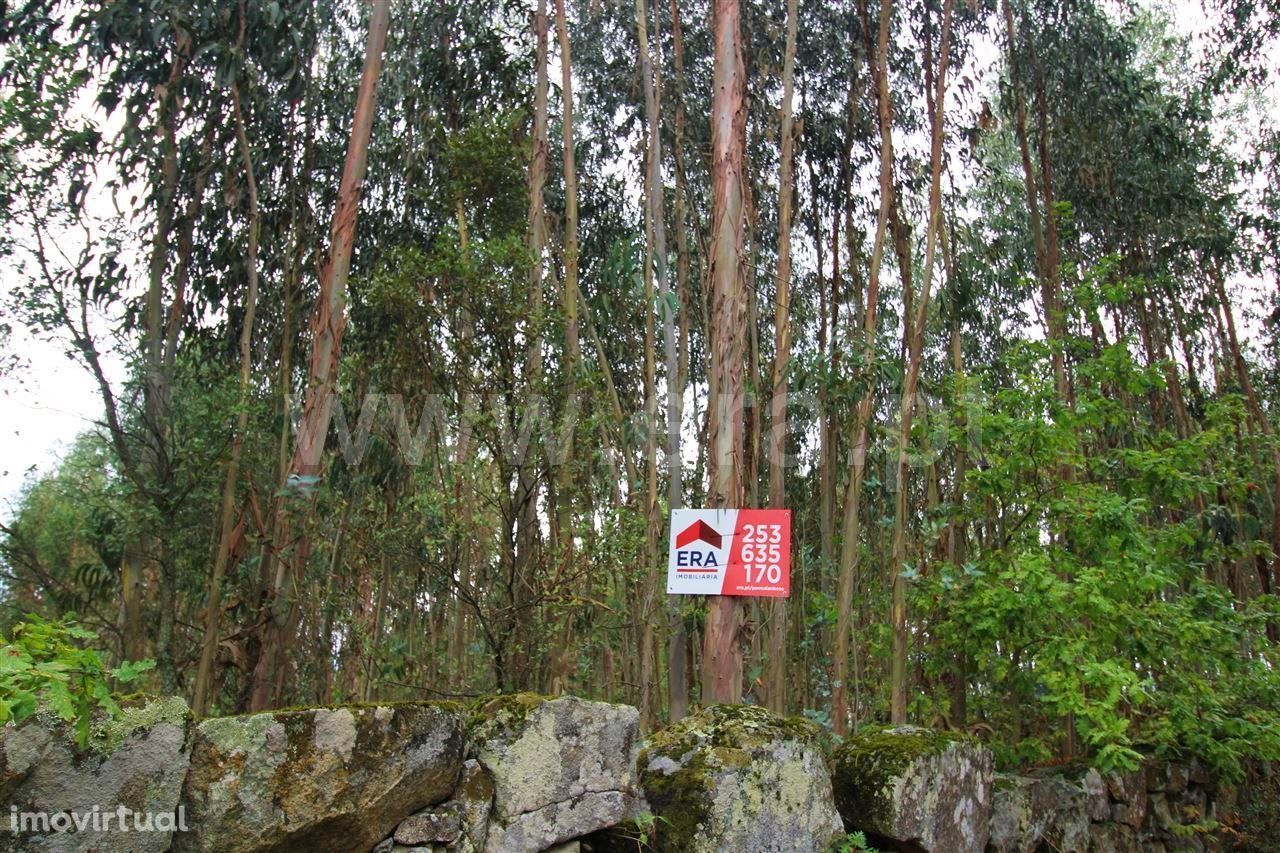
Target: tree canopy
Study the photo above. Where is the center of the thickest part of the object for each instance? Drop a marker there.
(984, 293)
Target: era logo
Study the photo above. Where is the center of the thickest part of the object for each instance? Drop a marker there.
(698, 559)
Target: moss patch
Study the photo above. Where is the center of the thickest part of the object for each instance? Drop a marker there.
(735, 727)
(501, 714)
(867, 763)
(681, 797)
(352, 706)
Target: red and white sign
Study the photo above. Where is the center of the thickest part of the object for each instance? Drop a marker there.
(730, 552)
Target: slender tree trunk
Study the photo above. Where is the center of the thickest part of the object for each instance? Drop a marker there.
(213, 604)
(957, 535)
(1251, 399)
(463, 487)
(851, 547)
(777, 674)
(751, 417)
(156, 389)
(654, 229)
(370, 668)
(656, 263)
(561, 653)
(359, 632)
(722, 653)
(284, 378)
(915, 351)
(826, 537)
(1055, 317)
(337, 566)
(328, 322)
(527, 488)
(677, 638)
(1044, 273)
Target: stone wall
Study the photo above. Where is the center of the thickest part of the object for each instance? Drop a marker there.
(525, 773)
(1160, 807)
(514, 775)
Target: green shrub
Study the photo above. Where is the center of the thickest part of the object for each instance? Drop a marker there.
(51, 664)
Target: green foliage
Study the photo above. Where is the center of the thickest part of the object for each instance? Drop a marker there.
(49, 665)
(1095, 602)
(853, 842)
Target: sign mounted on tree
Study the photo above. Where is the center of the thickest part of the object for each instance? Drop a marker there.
(730, 552)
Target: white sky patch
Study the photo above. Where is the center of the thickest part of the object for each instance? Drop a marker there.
(51, 397)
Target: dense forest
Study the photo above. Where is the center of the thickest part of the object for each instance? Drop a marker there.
(432, 310)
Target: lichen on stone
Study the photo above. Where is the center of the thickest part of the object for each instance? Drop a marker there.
(108, 735)
(731, 776)
(323, 779)
(239, 733)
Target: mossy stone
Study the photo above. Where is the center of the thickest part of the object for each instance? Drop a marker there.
(322, 779)
(867, 762)
(916, 785)
(739, 777)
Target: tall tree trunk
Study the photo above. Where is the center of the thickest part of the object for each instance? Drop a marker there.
(656, 263)
(1043, 229)
(851, 548)
(527, 530)
(777, 675)
(377, 629)
(677, 638)
(463, 489)
(213, 603)
(1055, 315)
(156, 389)
(722, 653)
(957, 534)
(915, 351)
(328, 322)
(565, 491)
(359, 631)
(284, 377)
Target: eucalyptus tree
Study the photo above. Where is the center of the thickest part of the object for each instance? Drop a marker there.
(328, 325)
(851, 548)
(722, 654)
(213, 606)
(782, 352)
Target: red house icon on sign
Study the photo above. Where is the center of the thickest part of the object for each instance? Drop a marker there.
(699, 531)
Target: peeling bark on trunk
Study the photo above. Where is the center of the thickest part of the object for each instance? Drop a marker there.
(328, 322)
(722, 652)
